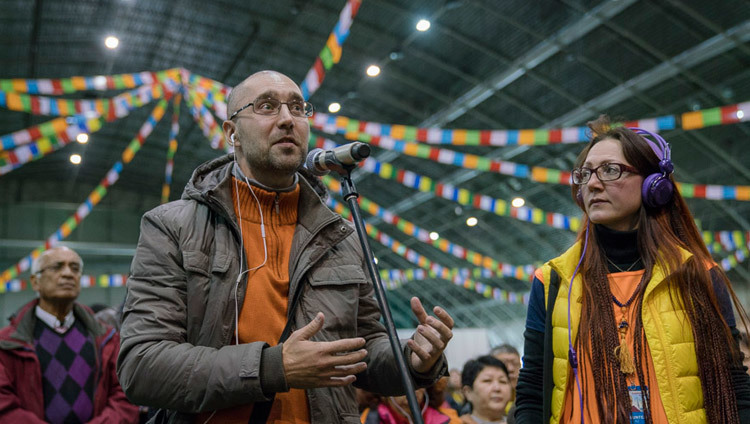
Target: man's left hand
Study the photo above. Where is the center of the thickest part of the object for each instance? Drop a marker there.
(431, 337)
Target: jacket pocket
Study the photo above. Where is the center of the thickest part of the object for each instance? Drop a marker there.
(334, 290)
(203, 273)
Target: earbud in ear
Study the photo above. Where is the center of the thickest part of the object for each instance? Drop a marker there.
(232, 138)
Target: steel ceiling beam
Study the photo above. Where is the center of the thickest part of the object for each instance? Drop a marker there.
(706, 50)
(537, 55)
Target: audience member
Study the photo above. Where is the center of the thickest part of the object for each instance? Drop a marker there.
(487, 389)
(57, 361)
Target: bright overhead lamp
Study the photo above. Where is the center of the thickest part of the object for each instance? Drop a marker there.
(517, 202)
(471, 221)
(334, 107)
(740, 114)
(373, 70)
(82, 138)
(434, 236)
(75, 159)
(111, 42)
(423, 25)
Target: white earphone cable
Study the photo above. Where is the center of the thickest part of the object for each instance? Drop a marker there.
(242, 249)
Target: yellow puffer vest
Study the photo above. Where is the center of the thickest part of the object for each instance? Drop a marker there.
(668, 334)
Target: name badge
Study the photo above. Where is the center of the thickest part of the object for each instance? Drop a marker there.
(637, 400)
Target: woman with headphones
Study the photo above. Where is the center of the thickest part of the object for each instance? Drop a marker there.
(633, 323)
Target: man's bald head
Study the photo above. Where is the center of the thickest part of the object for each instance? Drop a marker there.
(237, 97)
(42, 260)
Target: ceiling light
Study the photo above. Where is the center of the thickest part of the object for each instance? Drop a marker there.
(434, 236)
(517, 202)
(740, 114)
(423, 25)
(75, 158)
(334, 107)
(373, 70)
(82, 138)
(111, 42)
(472, 221)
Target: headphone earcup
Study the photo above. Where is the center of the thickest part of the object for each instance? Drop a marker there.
(657, 190)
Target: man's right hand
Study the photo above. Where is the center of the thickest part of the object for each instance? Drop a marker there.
(309, 364)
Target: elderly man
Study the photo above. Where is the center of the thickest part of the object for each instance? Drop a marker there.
(249, 254)
(57, 362)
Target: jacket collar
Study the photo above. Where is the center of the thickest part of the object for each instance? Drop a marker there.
(211, 183)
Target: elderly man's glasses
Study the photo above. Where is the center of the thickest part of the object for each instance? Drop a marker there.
(605, 172)
(75, 267)
(297, 108)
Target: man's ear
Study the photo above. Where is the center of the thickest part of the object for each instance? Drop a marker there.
(228, 129)
(34, 279)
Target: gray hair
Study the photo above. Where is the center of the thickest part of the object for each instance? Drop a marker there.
(36, 264)
(504, 348)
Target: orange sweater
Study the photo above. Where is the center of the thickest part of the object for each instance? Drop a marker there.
(263, 314)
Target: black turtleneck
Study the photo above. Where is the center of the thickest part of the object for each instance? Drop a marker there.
(620, 247)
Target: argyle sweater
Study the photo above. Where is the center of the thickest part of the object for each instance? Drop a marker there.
(68, 363)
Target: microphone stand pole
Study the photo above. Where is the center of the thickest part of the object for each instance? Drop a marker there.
(350, 196)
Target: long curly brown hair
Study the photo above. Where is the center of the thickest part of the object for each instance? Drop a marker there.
(661, 233)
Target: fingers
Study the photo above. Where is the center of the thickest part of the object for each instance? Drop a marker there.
(339, 381)
(444, 316)
(418, 310)
(312, 328)
(418, 350)
(342, 346)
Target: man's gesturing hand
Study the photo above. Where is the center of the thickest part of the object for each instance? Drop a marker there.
(431, 338)
(309, 364)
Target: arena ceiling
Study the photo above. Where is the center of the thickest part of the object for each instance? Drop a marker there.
(482, 65)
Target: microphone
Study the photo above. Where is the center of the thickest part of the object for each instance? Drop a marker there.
(320, 162)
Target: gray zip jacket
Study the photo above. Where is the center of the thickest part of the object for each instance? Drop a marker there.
(178, 321)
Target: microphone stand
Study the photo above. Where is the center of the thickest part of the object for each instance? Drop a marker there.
(350, 196)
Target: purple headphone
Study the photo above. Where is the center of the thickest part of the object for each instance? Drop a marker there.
(657, 188)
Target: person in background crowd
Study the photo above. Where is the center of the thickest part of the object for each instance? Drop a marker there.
(395, 410)
(512, 360)
(248, 298)
(634, 322)
(366, 399)
(107, 314)
(487, 388)
(57, 361)
(745, 348)
(455, 396)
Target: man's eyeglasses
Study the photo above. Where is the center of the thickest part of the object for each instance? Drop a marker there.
(297, 108)
(605, 172)
(75, 267)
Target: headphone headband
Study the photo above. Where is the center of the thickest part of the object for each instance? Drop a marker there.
(661, 147)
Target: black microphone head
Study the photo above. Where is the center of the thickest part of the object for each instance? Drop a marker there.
(360, 151)
(310, 163)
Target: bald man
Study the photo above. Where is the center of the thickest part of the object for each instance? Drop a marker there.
(57, 362)
(248, 299)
